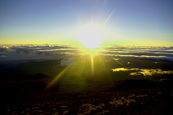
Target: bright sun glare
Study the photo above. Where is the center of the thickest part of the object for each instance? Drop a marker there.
(90, 36)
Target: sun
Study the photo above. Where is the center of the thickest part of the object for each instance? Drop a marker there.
(90, 36)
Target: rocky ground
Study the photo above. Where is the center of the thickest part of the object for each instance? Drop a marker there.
(139, 101)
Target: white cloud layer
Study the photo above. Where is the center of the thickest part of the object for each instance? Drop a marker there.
(59, 51)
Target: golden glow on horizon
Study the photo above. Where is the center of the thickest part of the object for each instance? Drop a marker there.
(144, 72)
(90, 36)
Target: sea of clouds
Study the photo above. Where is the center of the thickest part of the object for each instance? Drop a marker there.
(19, 52)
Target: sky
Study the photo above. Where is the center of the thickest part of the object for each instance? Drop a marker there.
(119, 22)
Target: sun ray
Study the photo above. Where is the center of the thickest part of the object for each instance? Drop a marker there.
(92, 64)
(108, 17)
(108, 73)
(77, 63)
(66, 70)
(58, 77)
(78, 18)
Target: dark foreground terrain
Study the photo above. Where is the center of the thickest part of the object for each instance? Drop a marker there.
(28, 90)
(141, 101)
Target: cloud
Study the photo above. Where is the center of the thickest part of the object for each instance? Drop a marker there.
(3, 49)
(52, 51)
(148, 52)
(25, 51)
(38, 53)
(65, 62)
(47, 53)
(3, 56)
(38, 50)
(144, 72)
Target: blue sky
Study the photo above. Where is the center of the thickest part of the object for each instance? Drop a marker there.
(133, 22)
